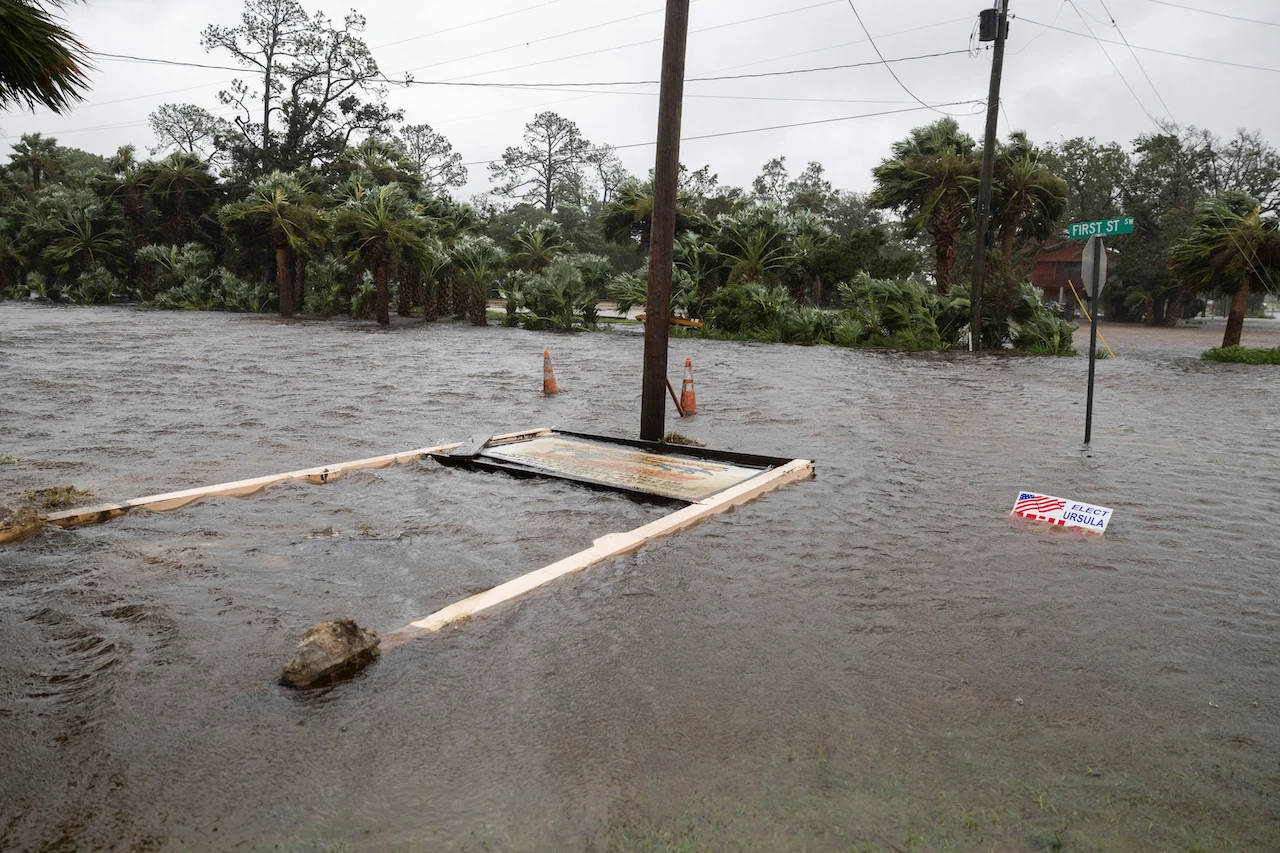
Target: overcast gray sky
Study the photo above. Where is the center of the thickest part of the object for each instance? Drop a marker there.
(1056, 84)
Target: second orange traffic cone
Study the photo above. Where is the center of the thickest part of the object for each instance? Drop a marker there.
(688, 401)
(548, 375)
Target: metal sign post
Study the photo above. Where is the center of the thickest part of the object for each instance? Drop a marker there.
(1093, 267)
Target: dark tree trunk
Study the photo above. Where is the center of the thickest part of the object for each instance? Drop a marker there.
(430, 299)
(1177, 302)
(382, 275)
(1008, 231)
(1235, 319)
(283, 284)
(480, 306)
(404, 303)
(817, 291)
(462, 304)
(299, 282)
(944, 259)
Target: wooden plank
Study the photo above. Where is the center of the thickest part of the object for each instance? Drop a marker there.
(603, 548)
(678, 321)
(240, 488)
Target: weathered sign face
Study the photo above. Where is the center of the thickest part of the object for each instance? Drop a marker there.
(1086, 268)
(668, 475)
(1062, 512)
(1101, 228)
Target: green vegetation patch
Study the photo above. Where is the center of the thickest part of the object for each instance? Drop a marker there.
(1244, 355)
(9, 460)
(57, 496)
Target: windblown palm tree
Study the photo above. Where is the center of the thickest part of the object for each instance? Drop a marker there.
(382, 230)
(1028, 199)
(82, 239)
(757, 243)
(278, 210)
(127, 183)
(478, 261)
(534, 248)
(179, 183)
(930, 180)
(629, 214)
(40, 62)
(1230, 247)
(37, 155)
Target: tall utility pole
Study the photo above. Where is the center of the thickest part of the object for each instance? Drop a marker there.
(662, 236)
(1001, 16)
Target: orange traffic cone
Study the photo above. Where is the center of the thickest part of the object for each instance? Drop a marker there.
(688, 401)
(548, 375)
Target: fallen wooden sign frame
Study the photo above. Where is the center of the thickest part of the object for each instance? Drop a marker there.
(707, 481)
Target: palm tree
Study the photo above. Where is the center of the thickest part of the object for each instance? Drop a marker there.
(1231, 245)
(81, 239)
(757, 243)
(534, 247)
(1028, 198)
(37, 155)
(628, 217)
(382, 229)
(178, 182)
(380, 159)
(279, 211)
(930, 180)
(812, 236)
(127, 183)
(702, 262)
(41, 62)
(478, 261)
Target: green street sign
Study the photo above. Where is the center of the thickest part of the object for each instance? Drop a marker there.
(1101, 228)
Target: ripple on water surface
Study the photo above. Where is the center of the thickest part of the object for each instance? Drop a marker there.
(876, 654)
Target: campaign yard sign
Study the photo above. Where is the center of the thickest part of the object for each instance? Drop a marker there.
(1062, 512)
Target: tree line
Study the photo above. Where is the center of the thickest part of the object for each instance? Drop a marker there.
(317, 196)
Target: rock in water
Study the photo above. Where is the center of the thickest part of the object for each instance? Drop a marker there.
(331, 650)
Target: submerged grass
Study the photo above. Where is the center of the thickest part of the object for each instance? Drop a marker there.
(1244, 355)
(57, 496)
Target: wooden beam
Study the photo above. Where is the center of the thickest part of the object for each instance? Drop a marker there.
(602, 549)
(240, 488)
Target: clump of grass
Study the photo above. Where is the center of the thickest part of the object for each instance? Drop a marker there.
(1244, 355)
(9, 460)
(57, 496)
(674, 437)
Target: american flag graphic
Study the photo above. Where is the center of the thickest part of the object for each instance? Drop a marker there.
(1029, 502)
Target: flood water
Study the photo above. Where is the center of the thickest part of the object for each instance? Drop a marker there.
(876, 659)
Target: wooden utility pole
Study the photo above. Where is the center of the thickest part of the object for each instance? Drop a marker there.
(662, 235)
(988, 175)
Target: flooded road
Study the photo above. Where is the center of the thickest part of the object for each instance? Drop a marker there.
(876, 659)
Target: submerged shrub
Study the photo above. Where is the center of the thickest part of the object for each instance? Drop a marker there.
(1044, 334)
(96, 286)
(1244, 355)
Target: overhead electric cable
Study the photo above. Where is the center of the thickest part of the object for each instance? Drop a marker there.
(1119, 73)
(1216, 14)
(640, 43)
(1153, 49)
(773, 127)
(1141, 67)
(468, 24)
(885, 62)
(712, 79)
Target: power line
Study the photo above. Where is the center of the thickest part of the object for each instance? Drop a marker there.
(468, 24)
(1119, 73)
(124, 57)
(528, 42)
(559, 101)
(913, 95)
(719, 78)
(1142, 68)
(725, 133)
(1216, 14)
(1153, 49)
(637, 43)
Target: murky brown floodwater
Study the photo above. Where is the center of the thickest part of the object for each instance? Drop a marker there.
(879, 658)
